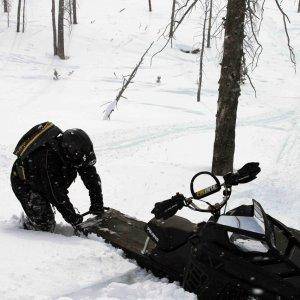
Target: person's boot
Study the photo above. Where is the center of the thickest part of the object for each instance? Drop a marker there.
(27, 224)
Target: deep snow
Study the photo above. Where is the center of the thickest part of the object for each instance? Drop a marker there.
(155, 142)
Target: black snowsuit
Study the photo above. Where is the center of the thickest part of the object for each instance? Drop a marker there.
(48, 177)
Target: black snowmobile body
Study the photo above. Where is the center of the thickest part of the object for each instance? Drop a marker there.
(241, 254)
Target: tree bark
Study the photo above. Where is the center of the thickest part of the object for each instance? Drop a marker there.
(150, 5)
(54, 28)
(172, 24)
(5, 6)
(74, 12)
(202, 52)
(209, 24)
(60, 30)
(23, 17)
(18, 15)
(70, 12)
(8, 17)
(229, 87)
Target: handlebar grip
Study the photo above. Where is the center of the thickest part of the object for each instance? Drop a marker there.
(168, 208)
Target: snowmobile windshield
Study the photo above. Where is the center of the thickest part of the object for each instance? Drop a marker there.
(249, 233)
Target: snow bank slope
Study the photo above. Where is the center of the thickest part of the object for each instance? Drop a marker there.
(157, 139)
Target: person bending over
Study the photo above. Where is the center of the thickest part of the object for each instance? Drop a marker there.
(47, 164)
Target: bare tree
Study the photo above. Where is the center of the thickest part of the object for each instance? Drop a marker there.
(206, 10)
(70, 12)
(172, 22)
(286, 19)
(74, 6)
(176, 23)
(6, 9)
(60, 30)
(23, 17)
(54, 28)
(150, 5)
(19, 15)
(209, 23)
(241, 38)
(8, 12)
(229, 88)
(5, 6)
(113, 104)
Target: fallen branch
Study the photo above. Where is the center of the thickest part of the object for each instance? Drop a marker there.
(113, 104)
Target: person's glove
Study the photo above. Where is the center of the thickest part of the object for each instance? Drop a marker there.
(246, 174)
(168, 208)
(78, 229)
(76, 223)
(96, 209)
(77, 219)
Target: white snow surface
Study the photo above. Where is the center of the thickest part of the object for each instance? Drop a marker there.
(156, 140)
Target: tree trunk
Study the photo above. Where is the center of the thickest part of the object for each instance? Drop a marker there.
(5, 6)
(23, 17)
(18, 15)
(299, 6)
(171, 33)
(54, 28)
(202, 52)
(150, 5)
(70, 12)
(209, 24)
(74, 12)
(60, 31)
(8, 17)
(229, 87)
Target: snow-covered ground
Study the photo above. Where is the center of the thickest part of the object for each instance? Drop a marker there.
(155, 142)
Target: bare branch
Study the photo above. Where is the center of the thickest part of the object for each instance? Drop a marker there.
(254, 32)
(112, 105)
(175, 27)
(285, 18)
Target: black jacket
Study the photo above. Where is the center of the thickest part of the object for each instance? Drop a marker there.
(50, 175)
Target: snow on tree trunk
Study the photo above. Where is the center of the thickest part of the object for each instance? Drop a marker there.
(109, 109)
(60, 31)
(229, 87)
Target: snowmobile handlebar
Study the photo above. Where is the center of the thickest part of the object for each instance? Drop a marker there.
(245, 174)
(167, 208)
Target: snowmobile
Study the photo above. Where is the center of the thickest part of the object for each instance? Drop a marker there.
(243, 253)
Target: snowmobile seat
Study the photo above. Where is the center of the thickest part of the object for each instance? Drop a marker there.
(171, 233)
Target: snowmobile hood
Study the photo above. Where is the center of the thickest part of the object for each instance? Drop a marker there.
(258, 251)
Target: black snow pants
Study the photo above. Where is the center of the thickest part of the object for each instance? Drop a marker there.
(38, 210)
